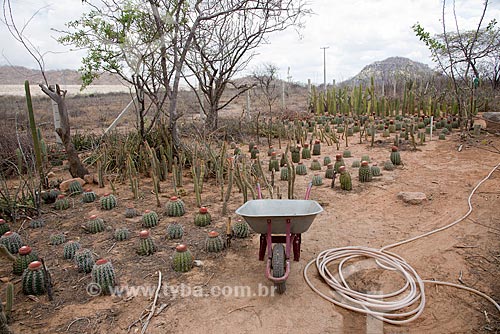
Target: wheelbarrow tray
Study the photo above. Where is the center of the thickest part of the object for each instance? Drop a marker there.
(301, 214)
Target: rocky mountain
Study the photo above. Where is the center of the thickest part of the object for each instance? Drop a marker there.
(16, 75)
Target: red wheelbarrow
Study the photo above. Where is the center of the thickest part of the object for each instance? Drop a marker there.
(279, 221)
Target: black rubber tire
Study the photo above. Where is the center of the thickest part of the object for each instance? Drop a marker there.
(278, 265)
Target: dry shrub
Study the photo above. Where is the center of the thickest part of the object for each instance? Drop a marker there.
(9, 145)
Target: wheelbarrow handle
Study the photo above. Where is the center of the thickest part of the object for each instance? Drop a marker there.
(308, 191)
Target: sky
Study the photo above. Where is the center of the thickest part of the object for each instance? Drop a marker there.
(356, 32)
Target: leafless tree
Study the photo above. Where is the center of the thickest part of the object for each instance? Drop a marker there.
(266, 78)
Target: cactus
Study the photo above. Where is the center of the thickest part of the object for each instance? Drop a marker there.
(57, 239)
(295, 151)
(270, 151)
(121, 234)
(70, 249)
(330, 171)
(346, 154)
(4, 227)
(103, 274)
(26, 256)
(202, 218)
(317, 180)
(61, 203)
(326, 161)
(254, 152)
(131, 212)
(12, 241)
(338, 162)
(175, 207)
(89, 196)
(316, 147)
(182, 260)
(306, 152)
(175, 231)
(214, 243)
(365, 158)
(241, 229)
(356, 164)
(388, 165)
(108, 202)
(395, 156)
(345, 179)
(375, 170)
(274, 163)
(75, 188)
(4, 252)
(442, 136)
(84, 260)
(9, 291)
(284, 173)
(364, 172)
(300, 169)
(150, 219)
(37, 223)
(50, 196)
(315, 165)
(146, 243)
(94, 225)
(34, 279)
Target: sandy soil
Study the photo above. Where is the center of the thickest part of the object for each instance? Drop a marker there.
(371, 215)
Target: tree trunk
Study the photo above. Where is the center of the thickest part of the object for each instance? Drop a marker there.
(76, 168)
(212, 120)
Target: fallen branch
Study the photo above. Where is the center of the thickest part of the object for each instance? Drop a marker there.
(152, 311)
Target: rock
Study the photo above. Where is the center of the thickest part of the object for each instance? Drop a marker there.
(89, 178)
(492, 121)
(412, 197)
(198, 263)
(64, 186)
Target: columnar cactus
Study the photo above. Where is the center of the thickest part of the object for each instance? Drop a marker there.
(202, 218)
(395, 156)
(84, 260)
(375, 170)
(130, 212)
(150, 219)
(103, 274)
(146, 243)
(388, 165)
(316, 147)
(34, 279)
(300, 169)
(326, 160)
(12, 241)
(61, 203)
(26, 256)
(295, 154)
(37, 223)
(4, 227)
(306, 152)
(317, 180)
(108, 202)
(121, 234)
(315, 165)
(213, 242)
(284, 173)
(175, 231)
(70, 249)
(95, 225)
(241, 229)
(345, 179)
(338, 162)
(365, 173)
(57, 239)
(182, 260)
(175, 207)
(330, 171)
(89, 196)
(75, 188)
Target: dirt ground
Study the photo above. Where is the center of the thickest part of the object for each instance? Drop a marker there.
(370, 215)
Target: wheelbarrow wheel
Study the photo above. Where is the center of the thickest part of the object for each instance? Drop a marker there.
(278, 265)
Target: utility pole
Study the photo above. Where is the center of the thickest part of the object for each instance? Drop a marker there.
(324, 66)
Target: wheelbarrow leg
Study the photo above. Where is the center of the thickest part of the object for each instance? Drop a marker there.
(297, 238)
(262, 246)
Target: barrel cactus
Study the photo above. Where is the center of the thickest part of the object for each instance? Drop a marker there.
(4, 227)
(108, 202)
(203, 217)
(295, 151)
(345, 179)
(57, 239)
(270, 151)
(241, 229)
(365, 158)
(146, 243)
(50, 196)
(346, 154)
(131, 212)
(395, 156)
(388, 165)
(364, 172)
(306, 152)
(213, 242)
(274, 163)
(89, 196)
(326, 160)
(26, 256)
(84, 260)
(300, 169)
(317, 180)
(315, 165)
(94, 225)
(175, 207)
(284, 173)
(121, 234)
(103, 275)
(182, 260)
(150, 219)
(70, 249)
(442, 136)
(75, 188)
(316, 147)
(61, 203)
(12, 241)
(175, 231)
(330, 171)
(34, 279)
(338, 162)
(37, 223)
(375, 170)
(254, 152)
(356, 164)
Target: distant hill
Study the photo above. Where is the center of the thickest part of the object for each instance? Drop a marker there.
(16, 75)
(390, 69)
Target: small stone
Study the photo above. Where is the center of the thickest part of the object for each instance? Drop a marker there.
(414, 198)
(198, 263)
(64, 186)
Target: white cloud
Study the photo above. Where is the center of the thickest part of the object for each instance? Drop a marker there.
(357, 32)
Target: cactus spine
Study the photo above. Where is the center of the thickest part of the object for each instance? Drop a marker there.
(175, 207)
(26, 256)
(108, 202)
(183, 259)
(103, 274)
(70, 249)
(146, 243)
(214, 243)
(12, 241)
(84, 260)
(345, 179)
(175, 231)
(150, 219)
(203, 217)
(34, 279)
